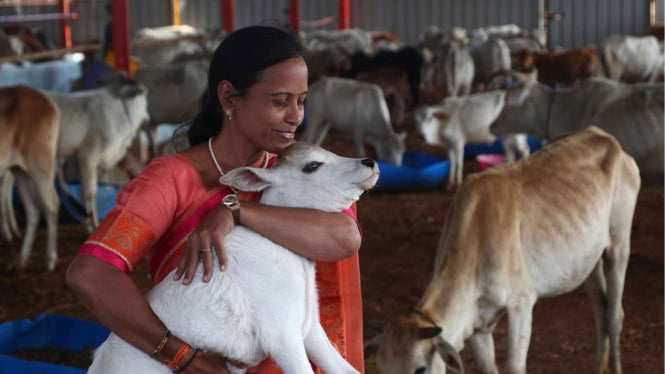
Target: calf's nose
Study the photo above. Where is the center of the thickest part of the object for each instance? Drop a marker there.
(368, 162)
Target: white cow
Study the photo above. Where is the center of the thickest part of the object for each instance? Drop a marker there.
(516, 233)
(98, 127)
(162, 45)
(175, 91)
(632, 58)
(354, 107)
(633, 113)
(465, 119)
(266, 302)
(491, 58)
(29, 123)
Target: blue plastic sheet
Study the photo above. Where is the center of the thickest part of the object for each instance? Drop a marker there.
(471, 150)
(57, 76)
(419, 171)
(105, 200)
(47, 331)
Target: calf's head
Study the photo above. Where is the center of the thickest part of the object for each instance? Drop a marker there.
(308, 176)
(430, 122)
(391, 148)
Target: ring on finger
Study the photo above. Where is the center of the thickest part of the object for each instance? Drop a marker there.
(202, 250)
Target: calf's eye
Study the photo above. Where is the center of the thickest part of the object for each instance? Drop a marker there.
(311, 166)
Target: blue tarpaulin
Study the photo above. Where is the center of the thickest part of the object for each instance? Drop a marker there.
(47, 331)
(419, 171)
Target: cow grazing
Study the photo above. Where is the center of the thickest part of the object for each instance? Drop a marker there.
(98, 127)
(266, 302)
(537, 228)
(632, 113)
(632, 58)
(460, 120)
(353, 107)
(30, 124)
(566, 68)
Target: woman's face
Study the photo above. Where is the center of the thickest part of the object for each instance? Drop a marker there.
(273, 108)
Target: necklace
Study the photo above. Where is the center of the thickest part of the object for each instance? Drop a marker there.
(219, 168)
(214, 158)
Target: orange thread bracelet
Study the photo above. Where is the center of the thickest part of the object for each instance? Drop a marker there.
(182, 369)
(174, 363)
(161, 344)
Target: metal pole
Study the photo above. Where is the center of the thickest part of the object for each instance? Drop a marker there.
(175, 12)
(228, 15)
(65, 27)
(120, 16)
(294, 16)
(344, 15)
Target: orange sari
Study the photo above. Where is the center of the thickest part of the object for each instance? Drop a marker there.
(156, 212)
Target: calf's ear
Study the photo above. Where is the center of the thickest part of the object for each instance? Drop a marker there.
(247, 179)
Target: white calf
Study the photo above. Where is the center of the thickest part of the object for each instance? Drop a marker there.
(266, 302)
(465, 119)
(353, 106)
(97, 128)
(29, 123)
(515, 233)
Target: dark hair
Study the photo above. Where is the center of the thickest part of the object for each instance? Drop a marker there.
(240, 59)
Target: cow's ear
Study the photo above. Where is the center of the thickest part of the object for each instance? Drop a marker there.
(440, 115)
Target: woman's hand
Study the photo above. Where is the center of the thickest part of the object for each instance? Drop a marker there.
(212, 363)
(208, 236)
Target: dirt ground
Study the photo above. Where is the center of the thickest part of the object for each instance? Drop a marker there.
(401, 231)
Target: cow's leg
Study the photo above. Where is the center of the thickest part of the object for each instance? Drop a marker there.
(520, 309)
(322, 133)
(27, 192)
(452, 159)
(10, 229)
(49, 205)
(483, 350)
(596, 289)
(459, 160)
(323, 354)
(615, 264)
(88, 175)
(358, 142)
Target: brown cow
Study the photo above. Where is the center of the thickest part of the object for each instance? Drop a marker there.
(564, 68)
(514, 234)
(30, 125)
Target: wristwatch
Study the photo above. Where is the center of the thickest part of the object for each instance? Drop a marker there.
(232, 202)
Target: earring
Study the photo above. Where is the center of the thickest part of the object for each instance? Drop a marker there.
(229, 114)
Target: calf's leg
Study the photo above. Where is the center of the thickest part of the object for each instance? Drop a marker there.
(323, 354)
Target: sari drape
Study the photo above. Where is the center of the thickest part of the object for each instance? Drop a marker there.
(167, 203)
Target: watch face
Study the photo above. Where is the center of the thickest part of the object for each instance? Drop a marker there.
(230, 199)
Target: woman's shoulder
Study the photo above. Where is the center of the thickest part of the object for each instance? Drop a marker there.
(173, 160)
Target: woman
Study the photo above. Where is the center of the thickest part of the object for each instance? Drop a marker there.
(172, 214)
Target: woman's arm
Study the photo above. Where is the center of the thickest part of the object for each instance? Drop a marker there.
(112, 296)
(310, 233)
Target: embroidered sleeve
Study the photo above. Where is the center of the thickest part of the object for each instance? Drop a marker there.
(144, 209)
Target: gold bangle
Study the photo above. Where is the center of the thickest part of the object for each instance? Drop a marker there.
(162, 343)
